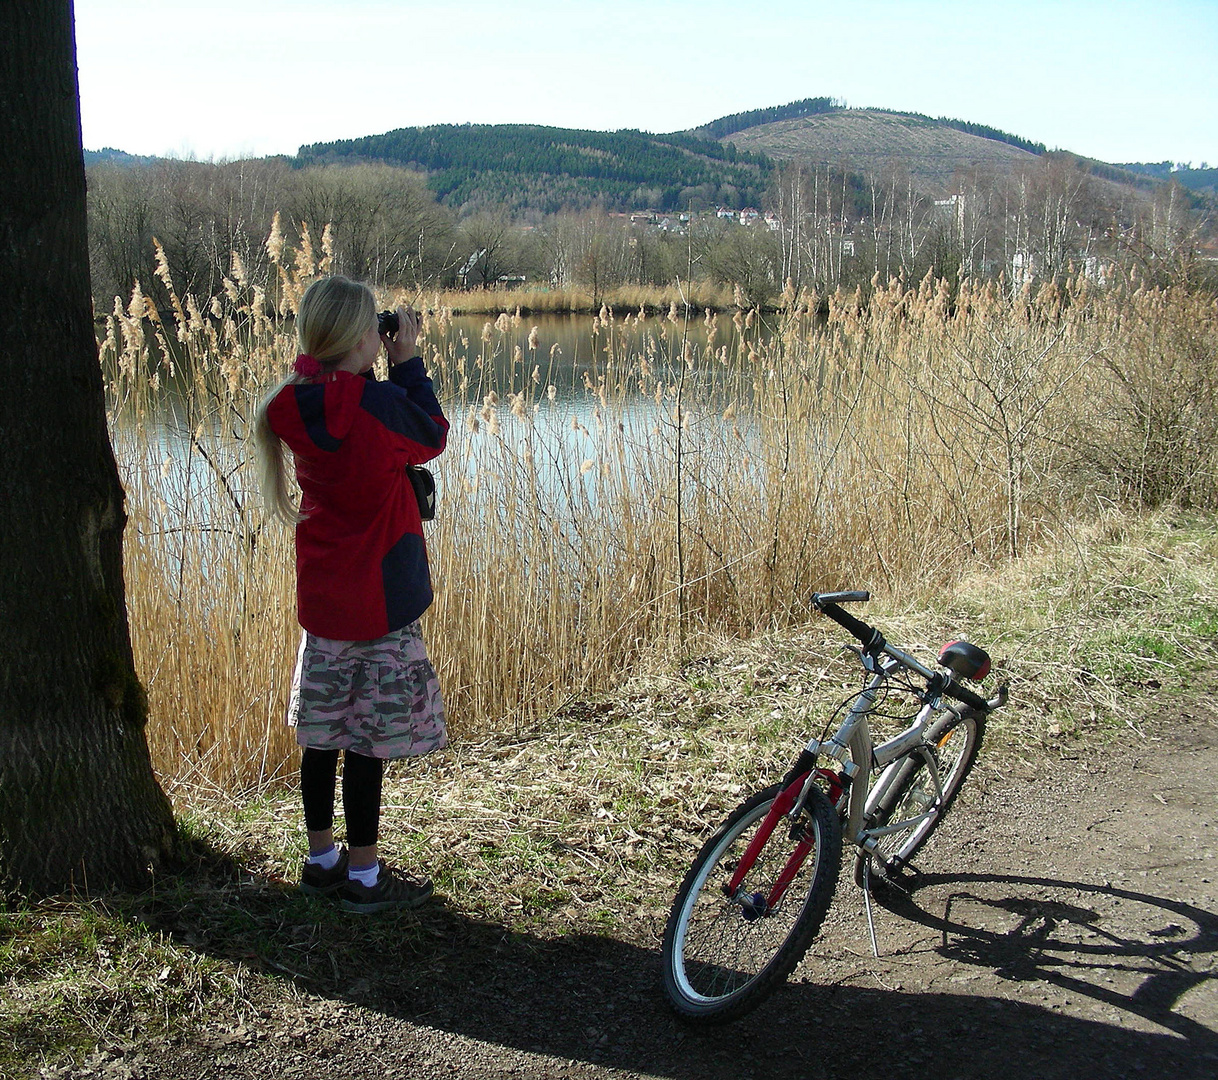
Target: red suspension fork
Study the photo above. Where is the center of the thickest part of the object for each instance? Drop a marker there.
(780, 807)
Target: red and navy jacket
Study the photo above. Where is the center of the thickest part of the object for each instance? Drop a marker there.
(361, 565)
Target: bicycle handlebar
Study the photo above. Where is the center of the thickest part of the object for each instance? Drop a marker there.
(856, 596)
(974, 701)
(873, 641)
(826, 603)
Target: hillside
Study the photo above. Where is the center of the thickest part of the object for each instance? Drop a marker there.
(1203, 179)
(109, 156)
(870, 141)
(549, 169)
(727, 161)
(529, 170)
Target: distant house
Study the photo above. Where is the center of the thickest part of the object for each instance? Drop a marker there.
(951, 207)
(772, 222)
(749, 216)
(1099, 271)
(1023, 268)
(468, 268)
(724, 212)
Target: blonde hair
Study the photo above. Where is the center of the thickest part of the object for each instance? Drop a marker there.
(334, 314)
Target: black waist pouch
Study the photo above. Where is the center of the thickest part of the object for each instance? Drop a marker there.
(424, 485)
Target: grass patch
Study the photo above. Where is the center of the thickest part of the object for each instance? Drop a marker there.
(1129, 607)
(76, 974)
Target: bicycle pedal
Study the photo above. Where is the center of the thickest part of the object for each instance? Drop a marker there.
(896, 884)
(886, 880)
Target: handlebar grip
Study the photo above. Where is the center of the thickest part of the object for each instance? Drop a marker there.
(868, 635)
(973, 701)
(855, 596)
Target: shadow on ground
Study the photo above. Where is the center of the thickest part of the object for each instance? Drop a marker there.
(1033, 937)
(586, 999)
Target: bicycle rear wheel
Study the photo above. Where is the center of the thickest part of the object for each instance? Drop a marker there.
(952, 742)
(726, 949)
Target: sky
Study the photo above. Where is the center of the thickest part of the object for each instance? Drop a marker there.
(1117, 80)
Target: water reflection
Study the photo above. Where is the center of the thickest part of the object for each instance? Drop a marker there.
(579, 354)
(568, 397)
(546, 402)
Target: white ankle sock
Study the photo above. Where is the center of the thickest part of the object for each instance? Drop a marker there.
(365, 875)
(327, 859)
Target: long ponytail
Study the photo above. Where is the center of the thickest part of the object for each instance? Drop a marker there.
(274, 478)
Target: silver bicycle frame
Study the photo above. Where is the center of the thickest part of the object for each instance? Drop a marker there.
(852, 747)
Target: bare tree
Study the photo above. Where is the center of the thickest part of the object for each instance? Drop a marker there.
(121, 228)
(386, 225)
(488, 249)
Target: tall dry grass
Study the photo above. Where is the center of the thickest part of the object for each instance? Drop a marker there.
(561, 301)
(690, 484)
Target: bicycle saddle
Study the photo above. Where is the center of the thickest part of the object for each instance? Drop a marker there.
(965, 659)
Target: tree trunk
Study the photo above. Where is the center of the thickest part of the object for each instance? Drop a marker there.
(79, 806)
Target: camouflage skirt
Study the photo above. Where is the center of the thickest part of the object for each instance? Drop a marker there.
(379, 698)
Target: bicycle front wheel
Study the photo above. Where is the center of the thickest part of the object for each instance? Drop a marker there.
(728, 942)
(952, 742)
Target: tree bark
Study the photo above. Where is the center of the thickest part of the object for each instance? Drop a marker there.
(79, 805)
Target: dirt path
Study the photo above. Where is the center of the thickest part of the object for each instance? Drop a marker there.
(1065, 925)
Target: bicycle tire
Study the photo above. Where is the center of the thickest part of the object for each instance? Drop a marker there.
(953, 740)
(722, 956)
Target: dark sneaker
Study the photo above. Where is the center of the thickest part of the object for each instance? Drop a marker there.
(393, 889)
(317, 881)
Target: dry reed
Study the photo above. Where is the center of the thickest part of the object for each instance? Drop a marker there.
(561, 301)
(689, 486)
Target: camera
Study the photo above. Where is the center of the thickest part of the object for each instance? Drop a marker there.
(387, 322)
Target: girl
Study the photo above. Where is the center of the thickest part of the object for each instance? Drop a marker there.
(363, 683)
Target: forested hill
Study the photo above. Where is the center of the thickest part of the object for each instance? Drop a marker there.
(728, 162)
(531, 169)
(1202, 179)
(549, 169)
(109, 156)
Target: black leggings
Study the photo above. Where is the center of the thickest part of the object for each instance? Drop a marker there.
(361, 793)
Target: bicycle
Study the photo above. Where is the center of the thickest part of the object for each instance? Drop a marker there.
(755, 896)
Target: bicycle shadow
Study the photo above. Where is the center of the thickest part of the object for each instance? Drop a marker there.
(1058, 942)
(589, 1001)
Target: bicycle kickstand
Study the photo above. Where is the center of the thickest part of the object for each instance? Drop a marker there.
(890, 883)
(875, 949)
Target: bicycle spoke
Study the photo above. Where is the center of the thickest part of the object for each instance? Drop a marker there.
(729, 940)
(724, 949)
(918, 799)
